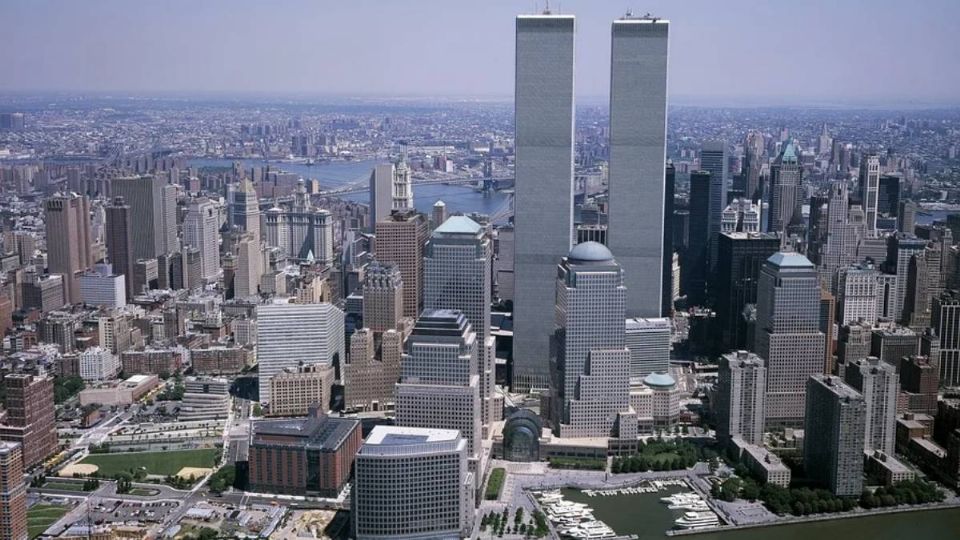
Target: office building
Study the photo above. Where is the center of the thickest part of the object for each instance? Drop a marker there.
(741, 397)
(381, 193)
(857, 293)
(900, 249)
(891, 344)
(382, 297)
(13, 493)
(713, 159)
(828, 309)
(402, 186)
(201, 230)
(695, 263)
(649, 344)
(244, 208)
(753, 162)
(152, 361)
(741, 215)
(221, 360)
(833, 435)
(946, 324)
(153, 203)
(69, 244)
(670, 284)
(788, 334)
(845, 231)
(412, 483)
(439, 213)
(638, 117)
(291, 335)
(305, 456)
(439, 386)
(30, 418)
(740, 256)
(457, 275)
(543, 203)
(920, 381)
(294, 391)
(45, 293)
(98, 364)
(888, 198)
(869, 185)
(301, 230)
(103, 288)
(879, 385)
(249, 268)
(785, 188)
(373, 371)
(907, 217)
(590, 336)
(400, 240)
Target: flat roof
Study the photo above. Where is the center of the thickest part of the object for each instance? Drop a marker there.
(323, 433)
(402, 436)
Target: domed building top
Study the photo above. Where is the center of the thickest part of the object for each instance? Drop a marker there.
(590, 252)
(659, 381)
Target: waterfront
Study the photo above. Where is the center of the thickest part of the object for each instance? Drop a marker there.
(337, 173)
(645, 516)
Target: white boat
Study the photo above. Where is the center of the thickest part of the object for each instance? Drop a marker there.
(697, 520)
(698, 506)
(679, 498)
(590, 530)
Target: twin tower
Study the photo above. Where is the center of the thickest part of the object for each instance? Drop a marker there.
(544, 115)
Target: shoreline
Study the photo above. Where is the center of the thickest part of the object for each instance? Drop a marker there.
(820, 517)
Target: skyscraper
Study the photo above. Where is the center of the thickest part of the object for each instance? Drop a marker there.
(382, 297)
(13, 493)
(457, 275)
(740, 256)
(244, 208)
(544, 119)
(878, 383)
(119, 240)
(869, 185)
(667, 282)
(713, 158)
(439, 387)
(900, 248)
(246, 281)
(381, 193)
(590, 324)
(649, 344)
(946, 323)
(695, 265)
(402, 184)
(400, 468)
(67, 219)
(788, 334)
(400, 240)
(201, 231)
(741, 397)
(752, 163)
(290, 335)
(153, 201)
(30, 416)
(638, 119)
(784, 189)
(833, 435)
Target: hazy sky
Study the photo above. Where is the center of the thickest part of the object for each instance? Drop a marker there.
(867, 51)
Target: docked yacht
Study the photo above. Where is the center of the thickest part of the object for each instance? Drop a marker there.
(589, 530)
(697, 520)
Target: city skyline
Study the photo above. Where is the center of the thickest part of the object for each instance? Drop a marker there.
(76, 50)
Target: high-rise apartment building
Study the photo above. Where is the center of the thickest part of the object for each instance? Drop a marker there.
(649, 344)
(788, 333)
(30, 416)
(544, 119)
(291, 335)
(590, 343)
(638, 119)
(879, 384)
(201, 230)
(740, 257)
(154, 202)
(784, 189)
(869, 185)
(713, 159)
(13, 493)
(834, 427)
(400, 240)
(439, 386)
(69, 244)
(741, 397)
(412, 483)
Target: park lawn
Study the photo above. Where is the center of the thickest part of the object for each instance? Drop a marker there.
(158, 463)
(41, 516)
(663, 457)
(495, 484)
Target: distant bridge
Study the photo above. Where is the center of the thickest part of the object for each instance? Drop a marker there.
(362, 186)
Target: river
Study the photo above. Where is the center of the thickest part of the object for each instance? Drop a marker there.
(645, 516)
(337, 173)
